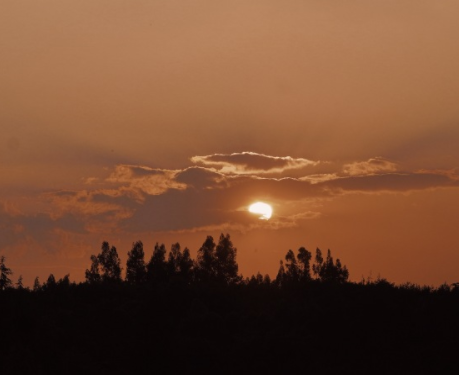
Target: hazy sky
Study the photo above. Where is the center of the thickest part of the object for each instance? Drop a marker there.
(163, 120)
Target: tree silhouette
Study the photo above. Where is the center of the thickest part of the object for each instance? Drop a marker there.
(319, 260)
(328, 270)
(179, 265)
(110, 263)
(174, 259)
(93, 274)
(5, 281)
(186, 266)
(136, 271)
(105, 266)
(280, 278)
(157, 267)
(19, 283)
(205, 262)
(50, 283)
(292, 273)
(304, 268)
(297, 268)
(36, 285)
(64, 282)
(226, 267)
(257, 280)
(217, 263)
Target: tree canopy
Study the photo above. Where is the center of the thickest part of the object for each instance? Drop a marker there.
(105, 266)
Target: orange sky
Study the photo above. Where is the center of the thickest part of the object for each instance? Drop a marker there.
(163, 120)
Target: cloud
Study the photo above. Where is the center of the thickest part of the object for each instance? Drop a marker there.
(200, 197)
(37, 228)
(251, 163)
(452, 174)
(392, 182)
(201, 178)
(319, 178)
(137, 199)
(141, 179)
(371, 166)
(83, 202)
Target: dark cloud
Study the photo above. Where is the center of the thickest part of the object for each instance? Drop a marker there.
(200, 178)
(396, 182)
(176, 210)
(39, 227)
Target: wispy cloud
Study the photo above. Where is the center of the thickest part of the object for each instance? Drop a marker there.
(371, 166)
(151, 181)
(251, 163)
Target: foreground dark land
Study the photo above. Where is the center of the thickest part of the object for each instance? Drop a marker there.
(179, 315)
(319, 329)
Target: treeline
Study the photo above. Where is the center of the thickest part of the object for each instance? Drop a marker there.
(215, 265)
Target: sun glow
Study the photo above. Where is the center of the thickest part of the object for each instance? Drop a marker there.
(263, 209)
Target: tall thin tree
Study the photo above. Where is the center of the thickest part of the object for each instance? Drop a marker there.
(136, 270)
(226, 267)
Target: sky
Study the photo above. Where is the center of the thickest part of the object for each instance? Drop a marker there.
(162, 121)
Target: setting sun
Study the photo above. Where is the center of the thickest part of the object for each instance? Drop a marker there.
(263, 209)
